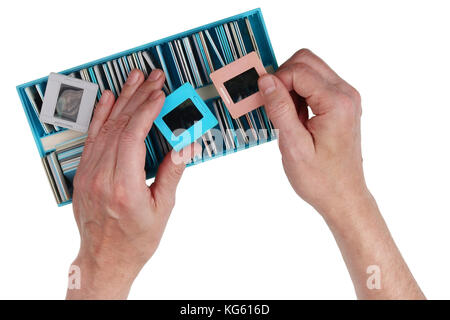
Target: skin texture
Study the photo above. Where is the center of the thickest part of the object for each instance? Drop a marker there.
(121, 220)
(322, 159)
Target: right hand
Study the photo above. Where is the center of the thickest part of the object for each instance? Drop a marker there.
(321, 155)
(322, 159)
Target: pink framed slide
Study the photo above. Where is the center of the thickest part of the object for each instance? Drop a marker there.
(237, 84)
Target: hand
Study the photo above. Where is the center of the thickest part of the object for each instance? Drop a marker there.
(120, 219)
(321, 155)
(322, 160)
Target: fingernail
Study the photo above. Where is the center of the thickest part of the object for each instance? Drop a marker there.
(154, 75)
(266, 84)
(133, 77)
(197, 150)
(192, 153)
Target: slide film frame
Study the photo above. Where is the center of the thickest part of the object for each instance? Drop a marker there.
(191, 134)
(56, 83)
(232, 70)
(249, 33)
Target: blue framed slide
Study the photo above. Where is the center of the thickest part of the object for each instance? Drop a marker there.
(187, 59)
(199, 118)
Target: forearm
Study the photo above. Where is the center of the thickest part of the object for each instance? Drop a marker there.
(369, 251)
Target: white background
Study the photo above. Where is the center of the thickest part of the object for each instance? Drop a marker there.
(238, 230)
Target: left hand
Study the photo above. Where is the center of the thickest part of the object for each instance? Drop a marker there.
(121, 220)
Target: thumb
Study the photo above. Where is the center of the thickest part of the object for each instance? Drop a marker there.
(169, 174)
(281, 109)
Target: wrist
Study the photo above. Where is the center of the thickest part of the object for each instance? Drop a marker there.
(350, 209)
(101, 278)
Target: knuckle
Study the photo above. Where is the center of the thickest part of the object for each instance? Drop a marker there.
(350, 91)
(344, 101)
(89, 141)
(120, 196)
(176, 171)
(303, 53)
(147, 88)
(97, 184)
(355, 94)
(108, 127)
(279, 109)
(143, 90)
(114, 126)
(122, 121)
(127, 91)
(346, 105)
(348, 98)
(128, 136)
(301, 69)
